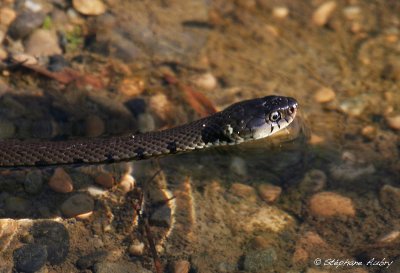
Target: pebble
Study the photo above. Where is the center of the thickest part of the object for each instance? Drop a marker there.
(36, 47)
(369, 132)
(307, 244)
(161, 217)
(323, 13)
(354, 106)
(394, 122)
(352, 12)
(7, 129)
(146, 123)
(280, 12)
(243, 191)
(390, 198)
(120, 267)
(161, 105)
(61, 182)
(389, 237)
(105, 179)
(17, 204)
(313, 181)
(328, 204)
(269, 193)
(136, 248)
(30, 258)
(127, 183)
(33, 182)
(95, 191)
(89, 260)
(238, 166)
(94, 126)
(3, 53)
(24, 58)
(93, 7)
(25, 23)
(180, 266)
(260, 261)
(206, 81)
(55, 237)
(324, 95)
(132, 87)
(7, 15)
(77, 204)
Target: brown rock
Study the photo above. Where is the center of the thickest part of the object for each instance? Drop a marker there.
(61, 181)
(181, 266)
(94, 126)
(7, 15)
(79, 204)
(324, 95)
(93, 7)
(323, 13)
(328, 204)
(105, 179)
(307, 246)
(269, 193)
(242, 190)
(390, 198)
(394, 122)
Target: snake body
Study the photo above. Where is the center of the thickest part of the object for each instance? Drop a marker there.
(242, 121)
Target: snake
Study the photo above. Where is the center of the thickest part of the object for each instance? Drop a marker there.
(243, 121)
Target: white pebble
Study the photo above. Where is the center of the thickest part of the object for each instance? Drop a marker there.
(280, 12)
(323, 13)
(206, 81)
(136, 248)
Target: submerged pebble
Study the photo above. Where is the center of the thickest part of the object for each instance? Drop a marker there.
(136, 248)
(206, 81)
(390, 198)
(323, 13)
(269, 193)
(328, 204)
(243, 191)
(25, 23)
(33, 182)
(238, 166)
(36, 47)
(7, 15)
(105, 179)
(280, 12)
(93, 7)
(30, 258)
(180, 266)
(260, 261)
(94, 126)
(394, 122)
(61, 182)
(121, 266)
(324, 95)
(146, 123)
(17, 204)
(77, 204)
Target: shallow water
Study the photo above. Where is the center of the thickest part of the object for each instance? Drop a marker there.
(324, 197)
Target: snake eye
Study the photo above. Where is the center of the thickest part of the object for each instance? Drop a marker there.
(274, 116)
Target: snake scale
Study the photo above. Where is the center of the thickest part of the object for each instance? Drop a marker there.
(242, 121)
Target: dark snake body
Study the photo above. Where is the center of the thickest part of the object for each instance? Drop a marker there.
(230, 126)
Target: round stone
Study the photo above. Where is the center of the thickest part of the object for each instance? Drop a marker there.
(93, 7)
(77, 204)
(30, 258)
(328, 204)
(61, 182)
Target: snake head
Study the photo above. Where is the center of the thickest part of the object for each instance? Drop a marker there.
(259, 118)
